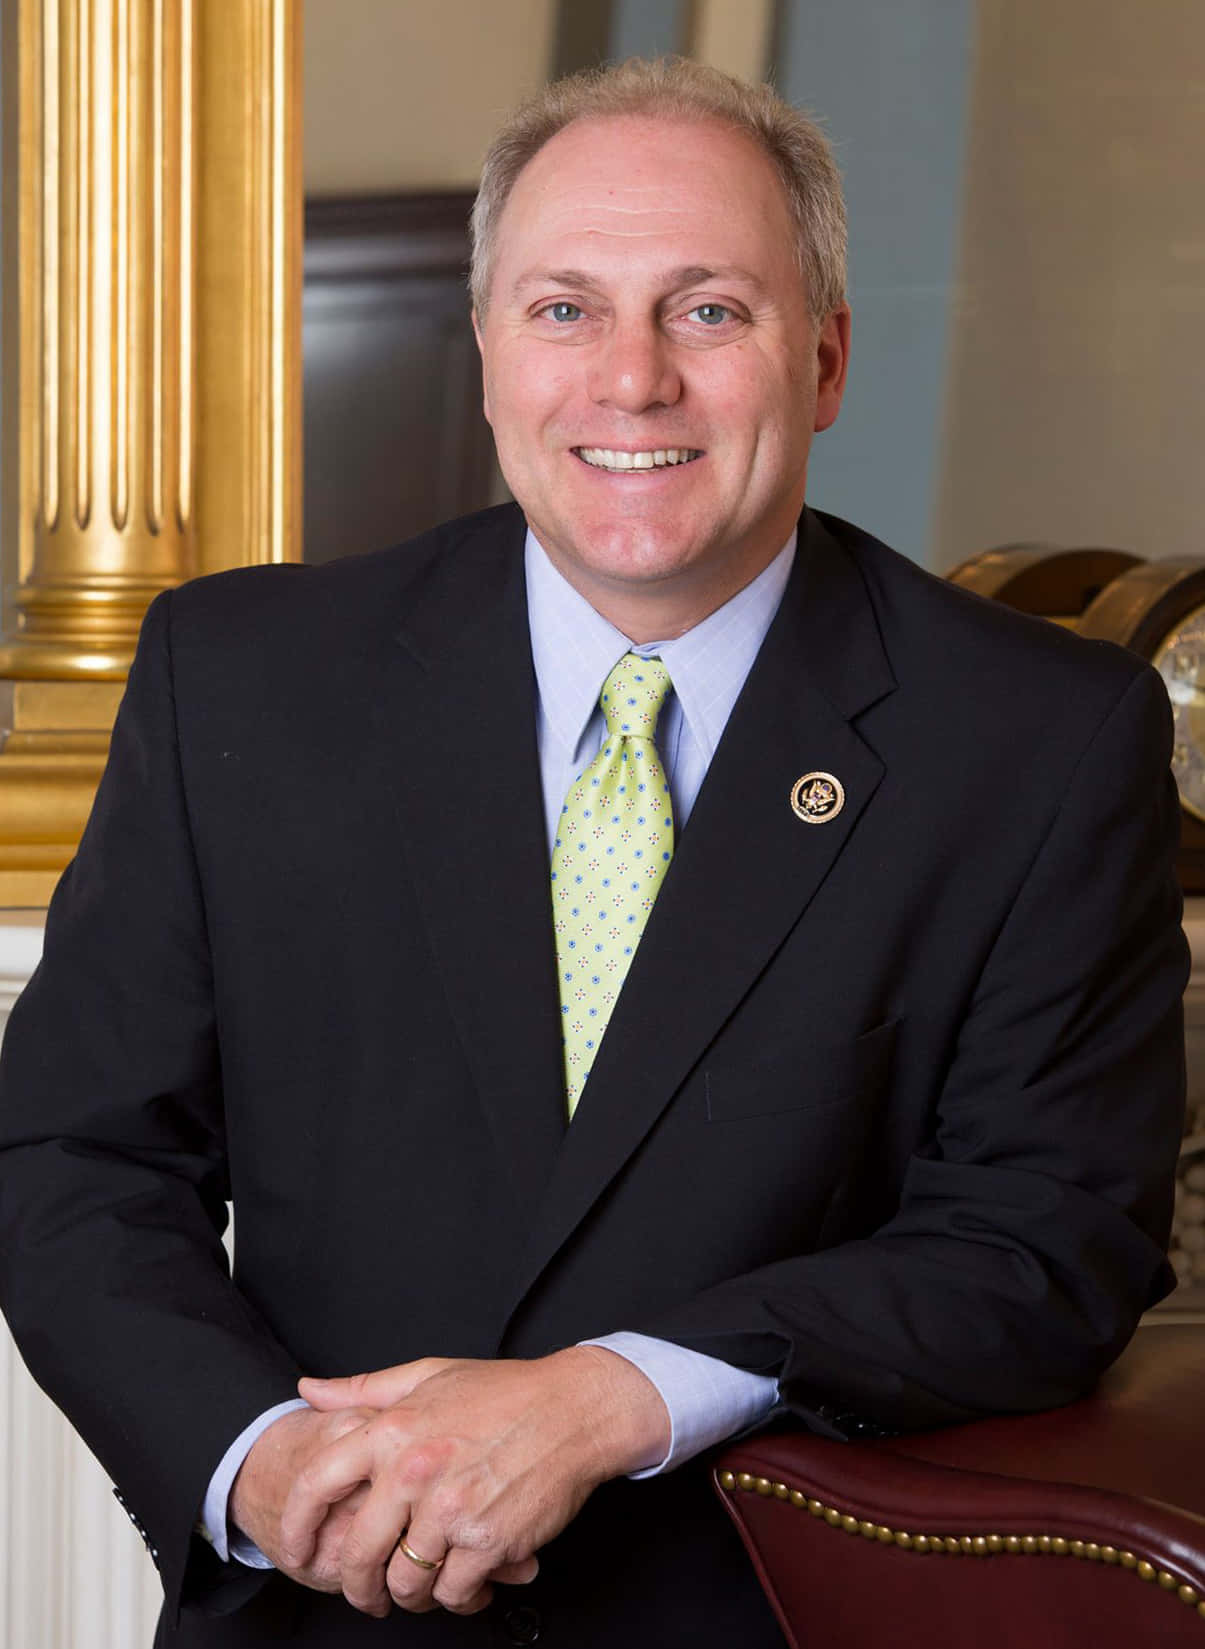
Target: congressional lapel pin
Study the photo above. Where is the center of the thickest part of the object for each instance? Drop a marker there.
(817, 797)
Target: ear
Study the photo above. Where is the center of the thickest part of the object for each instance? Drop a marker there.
(832, 365)
(485, 386)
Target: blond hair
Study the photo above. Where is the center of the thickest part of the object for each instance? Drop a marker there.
(677, 88)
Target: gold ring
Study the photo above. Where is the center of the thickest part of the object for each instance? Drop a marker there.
(423, 1562)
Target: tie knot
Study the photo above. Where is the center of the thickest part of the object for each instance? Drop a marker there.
(633, 695)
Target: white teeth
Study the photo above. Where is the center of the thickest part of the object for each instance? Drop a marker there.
(604, 458)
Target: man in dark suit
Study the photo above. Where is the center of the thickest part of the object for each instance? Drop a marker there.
(875, 1081)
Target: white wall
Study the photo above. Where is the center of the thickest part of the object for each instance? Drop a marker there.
(73, 1573)
(890, 78)
(406, 94)
(1076, 401)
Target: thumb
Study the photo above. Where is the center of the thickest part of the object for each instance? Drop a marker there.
(379, 1390)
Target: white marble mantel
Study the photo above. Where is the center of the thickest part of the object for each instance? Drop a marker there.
(73, 1574)
(20, 948)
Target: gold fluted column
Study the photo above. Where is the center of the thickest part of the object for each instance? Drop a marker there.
(152, 245)
(251, 215)
(106, 250)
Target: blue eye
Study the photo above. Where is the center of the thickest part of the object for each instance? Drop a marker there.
(563, 311)
(712, 314)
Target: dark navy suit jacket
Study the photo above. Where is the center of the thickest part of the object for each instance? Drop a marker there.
(889, 1105)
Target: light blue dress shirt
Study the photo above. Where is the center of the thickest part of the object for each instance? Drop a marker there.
(574, 649)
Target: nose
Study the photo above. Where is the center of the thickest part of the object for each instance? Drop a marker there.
(634, 369)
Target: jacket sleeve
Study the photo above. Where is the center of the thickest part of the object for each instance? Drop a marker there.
(1031, 1229)
(113, 1177)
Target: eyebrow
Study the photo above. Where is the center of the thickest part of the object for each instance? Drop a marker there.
(691, 274)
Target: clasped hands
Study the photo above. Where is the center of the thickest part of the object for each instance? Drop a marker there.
(478, 1464)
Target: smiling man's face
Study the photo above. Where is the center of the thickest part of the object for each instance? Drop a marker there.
(652, 375)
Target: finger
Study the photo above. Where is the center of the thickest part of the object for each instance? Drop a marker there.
(410, 1586)
(517, 1574)
(456, 1593)
(380, 1389)
(326, 1478)
(464, 1586)
(324, 1572)
(370, 1547)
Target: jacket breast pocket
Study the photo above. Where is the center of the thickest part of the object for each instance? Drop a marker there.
(823, 1077)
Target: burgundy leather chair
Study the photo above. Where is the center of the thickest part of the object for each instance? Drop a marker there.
(1079, 1526)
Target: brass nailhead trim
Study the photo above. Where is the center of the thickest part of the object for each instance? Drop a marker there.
(982, 1545)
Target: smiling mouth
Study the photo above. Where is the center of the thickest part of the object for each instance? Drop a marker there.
(656, 458)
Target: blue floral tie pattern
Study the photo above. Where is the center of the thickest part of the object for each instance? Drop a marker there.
(614, 843)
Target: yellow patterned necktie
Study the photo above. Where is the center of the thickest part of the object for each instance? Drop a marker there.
(614, 842)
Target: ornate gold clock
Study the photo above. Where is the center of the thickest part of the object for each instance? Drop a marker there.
(1155, 608)
(1043, 579)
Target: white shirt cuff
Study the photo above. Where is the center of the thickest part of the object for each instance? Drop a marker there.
(708, 1400)
(227, 1541)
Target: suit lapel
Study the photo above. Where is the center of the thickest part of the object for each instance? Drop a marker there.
(744, 871)
(457, 702)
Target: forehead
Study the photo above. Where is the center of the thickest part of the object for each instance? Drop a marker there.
(635, 188)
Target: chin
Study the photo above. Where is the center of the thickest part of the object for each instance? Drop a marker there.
(638, 555)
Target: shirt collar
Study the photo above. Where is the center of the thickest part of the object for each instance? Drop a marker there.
(574, 649)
